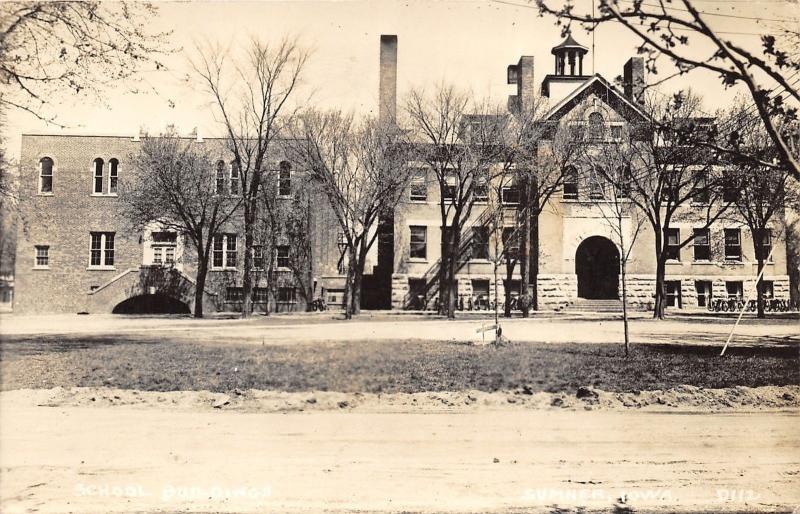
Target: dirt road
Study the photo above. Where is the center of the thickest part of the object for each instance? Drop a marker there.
(115, 459)
(313, 328)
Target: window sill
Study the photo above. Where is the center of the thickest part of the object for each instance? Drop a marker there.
(45, 194)
(737, 262)
(418, 200)
(418, 259)
(480, 261)
(41, 268)
(101, 268)
(224, 269)
(104, 195)
(673, 262)
(704, 262)
(283, 197)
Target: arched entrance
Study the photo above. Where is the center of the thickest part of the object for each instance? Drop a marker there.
(151, 304)
(597, 267)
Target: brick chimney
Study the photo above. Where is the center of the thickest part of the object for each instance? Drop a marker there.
(521, 75)
(387, 94)
(633, 79)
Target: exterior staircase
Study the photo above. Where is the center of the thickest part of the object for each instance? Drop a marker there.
(584, 305)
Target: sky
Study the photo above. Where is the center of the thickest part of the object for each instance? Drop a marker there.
(468, 43)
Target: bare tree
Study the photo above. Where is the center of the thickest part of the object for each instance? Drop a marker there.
(542, 153)
(252, 96)
(760, 194)
(677, 29)
(612, 164)
(172, 184)
(673, 177)
(459, 140)
(48, 49)
(362, 167)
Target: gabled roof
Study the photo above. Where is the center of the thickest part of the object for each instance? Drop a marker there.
(602, 88)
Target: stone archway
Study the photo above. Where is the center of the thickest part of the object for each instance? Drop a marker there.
(151, 304)
(597, 268)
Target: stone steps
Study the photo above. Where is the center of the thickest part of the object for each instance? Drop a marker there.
(584, 305)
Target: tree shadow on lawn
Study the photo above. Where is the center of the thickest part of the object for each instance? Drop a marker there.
(387, 366)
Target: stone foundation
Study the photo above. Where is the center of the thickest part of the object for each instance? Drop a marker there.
(558, 290)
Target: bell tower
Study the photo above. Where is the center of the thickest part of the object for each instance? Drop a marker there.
(568, 73)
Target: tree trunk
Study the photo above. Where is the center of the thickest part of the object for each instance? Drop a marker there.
(358, 277)
(455, 238)
(444, 289)
(510, 265)
(247, 279)
(534, 258)
(200, 285)
(660, 305)
(760, 286)
(524, 252)
(348, 289)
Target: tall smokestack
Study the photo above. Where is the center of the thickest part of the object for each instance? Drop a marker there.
(387, 94)
(633, 79)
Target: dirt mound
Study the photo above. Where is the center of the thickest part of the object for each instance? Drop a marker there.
(683, 398)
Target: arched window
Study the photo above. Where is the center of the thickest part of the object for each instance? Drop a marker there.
(597, 184)
(285, 179)
(234, 178)
(113, 176)
(570, 183)
(98, 176)
(221, 179)
(45, 175)
(597, 126)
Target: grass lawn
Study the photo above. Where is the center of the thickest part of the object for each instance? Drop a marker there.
(396, 366)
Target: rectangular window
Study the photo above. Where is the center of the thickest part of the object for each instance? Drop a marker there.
(234, 294)
(286, 295)
(258, 257)
(765, 247)
(616, 132)
(480, 243)
(673, 244)
(510, 243)
(510, 195)
(703, 288)
(596, 189)
(669, 186)
(230, 250)
(285, 180)
(734, 289)
(674, 293)
(113, 176)
(101, 252)
(218, 251)
(700, 187)
(571, 183)
(169, 255)
(450, 191)
(418, 190)
(625, 181)
(702, 245)
(282, 258)
(480, 187)
(419, 242)
(221, 182)
(42, 257)
(480, 292)
(730, 188)
(769, 288)
(157, 255)
(733, 244)
(260, 295)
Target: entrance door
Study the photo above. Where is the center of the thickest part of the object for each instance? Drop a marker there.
(597, 267)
